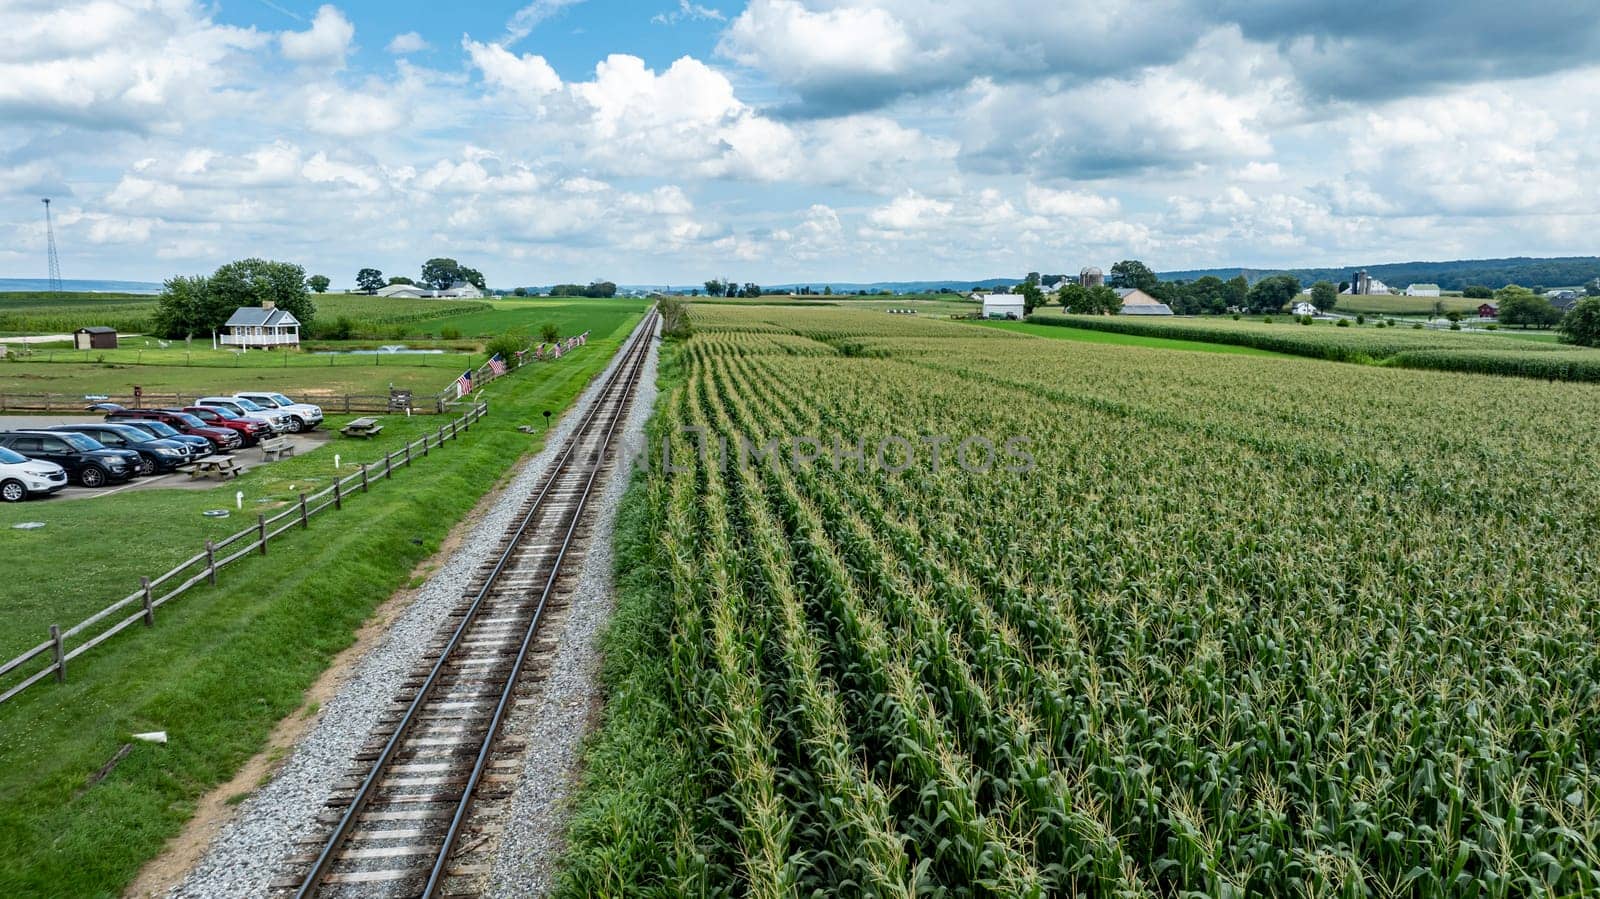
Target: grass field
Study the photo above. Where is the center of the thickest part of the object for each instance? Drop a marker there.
(142, 361)
(1250, 627)
(1412, 306)
(40, 313)
(222, 665)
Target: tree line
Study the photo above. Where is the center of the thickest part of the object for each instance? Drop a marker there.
(438, 273)
(197, 305)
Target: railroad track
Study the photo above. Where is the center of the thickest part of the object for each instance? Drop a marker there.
(418, 815)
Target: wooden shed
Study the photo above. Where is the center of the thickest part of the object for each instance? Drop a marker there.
(95, 338)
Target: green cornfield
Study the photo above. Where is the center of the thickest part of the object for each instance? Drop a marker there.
(1247, 626)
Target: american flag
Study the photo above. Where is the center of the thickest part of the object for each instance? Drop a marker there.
(464, 384)
(497, 365)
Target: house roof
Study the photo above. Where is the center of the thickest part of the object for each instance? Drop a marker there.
(1423, 287)
(1133, 296)
(97, 329)
(1146, 309)
(257, 317)
(1003, 299)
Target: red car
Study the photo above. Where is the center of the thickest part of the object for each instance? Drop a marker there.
(251, 431)
(222, 439)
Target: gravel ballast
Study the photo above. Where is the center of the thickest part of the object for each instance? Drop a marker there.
(252, 850)
(570, 697)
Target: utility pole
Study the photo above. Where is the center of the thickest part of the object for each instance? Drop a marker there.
(50, 241)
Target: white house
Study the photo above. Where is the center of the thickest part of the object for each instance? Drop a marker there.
(1304, 308)
(1137, 302)
(1422, 290)
(1002, 305)
(459, 290)
(260, 326)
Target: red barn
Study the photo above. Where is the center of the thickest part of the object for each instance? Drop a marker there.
(1488, 310)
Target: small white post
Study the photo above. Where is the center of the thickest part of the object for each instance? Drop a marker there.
(238, 499)
(335, 461)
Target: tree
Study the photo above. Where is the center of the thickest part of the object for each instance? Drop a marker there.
(369, 280)
(1324, 295)
(184, 308)
(1132, 273)
(1582, 324)
(1032, 280)
(827, 290)
(474, 277)
(601, 290)
(1236, 292)
(519, 292)
(253, 282)
(402, 279)
(549, 333)
(318, 283)
(1477, 292)
(674, 317)
(750, 289)
(1592, 288)
(1032, 297)
(508, 344)
(440, 272)
(1521, 306)
(715, 288)
(1272, 293)
(1104, 300)
(1074, 298)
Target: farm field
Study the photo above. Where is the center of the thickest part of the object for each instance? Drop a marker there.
(1109, 337)
(1402, 346)
(34, 313)
(1214, 643)
(572, 316)
(222, 665)
(1413, 306)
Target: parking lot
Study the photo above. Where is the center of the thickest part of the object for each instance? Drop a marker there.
(247, 458)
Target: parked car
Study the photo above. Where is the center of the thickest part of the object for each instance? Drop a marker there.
(223, 440)
(250, 430)
(22, 477)
(280, 420)
(85, 459)
(199, 447)
(303, 416)
(156, 454)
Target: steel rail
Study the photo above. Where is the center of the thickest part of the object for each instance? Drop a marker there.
(628, 367)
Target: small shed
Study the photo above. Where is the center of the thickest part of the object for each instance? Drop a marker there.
(97, 337)
(1488, 310)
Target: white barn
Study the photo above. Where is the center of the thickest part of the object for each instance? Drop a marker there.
(1002, 305)
(1422, 290)
(1137, 302)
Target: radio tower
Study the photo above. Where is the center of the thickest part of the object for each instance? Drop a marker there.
(50, 239)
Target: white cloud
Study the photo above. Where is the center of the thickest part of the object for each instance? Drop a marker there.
(1070, 203)
(529, 17)
(688, 12)
(910, 211)
(528, 77)
(409, 42)
(325, 43)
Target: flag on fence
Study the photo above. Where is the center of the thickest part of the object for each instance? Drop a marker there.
(497, 365)
(464, 384)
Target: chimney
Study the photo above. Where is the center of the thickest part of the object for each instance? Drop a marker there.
(268, 304)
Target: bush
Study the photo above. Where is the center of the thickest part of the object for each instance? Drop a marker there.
(549, 333)
(449, 333)
(1416, 326)
(1361, 319)
(1342, 323)
(507, 345)
(1236, 316)
(1491, 327)
(1455, 326)
(1305, 319)
(1267, 320)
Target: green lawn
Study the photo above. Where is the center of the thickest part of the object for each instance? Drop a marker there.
(1393, 305)
(571, 315)
(223, 664)
(1108, 337)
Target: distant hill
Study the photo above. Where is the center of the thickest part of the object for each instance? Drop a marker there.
(1565, 271)
(79, 286)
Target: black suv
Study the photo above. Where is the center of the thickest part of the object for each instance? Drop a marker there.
(155, 454)
(84, 458)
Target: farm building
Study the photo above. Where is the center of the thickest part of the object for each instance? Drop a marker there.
(1002, 305)
(1422, 290)
(1304, 308)
(459, 290)
(261, 327)
(95, 338)
(405, 291)
(1562, 299)
(1137, 302)
(1091, 277)
(1488, 310)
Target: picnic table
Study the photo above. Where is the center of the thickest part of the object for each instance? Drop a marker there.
(219, 467)
(362, 427)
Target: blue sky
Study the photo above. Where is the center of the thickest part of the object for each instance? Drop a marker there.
(666, 141)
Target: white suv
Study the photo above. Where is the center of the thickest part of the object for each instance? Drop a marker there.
(21, 477)
(276, 419)
(302, 416)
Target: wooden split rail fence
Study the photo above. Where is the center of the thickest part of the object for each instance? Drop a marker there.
(336, 403)
(202, 567)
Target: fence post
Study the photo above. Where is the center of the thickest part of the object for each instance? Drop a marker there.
(338, 500)
(363, 477)
(441, 435)
(347, 404)
(408, 455)
(304, 523)
(149, 608)
(261, 531)
(59, 652)
(211, 561)
(388, 465)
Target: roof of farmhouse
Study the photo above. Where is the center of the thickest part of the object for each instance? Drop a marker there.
(257, 317)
